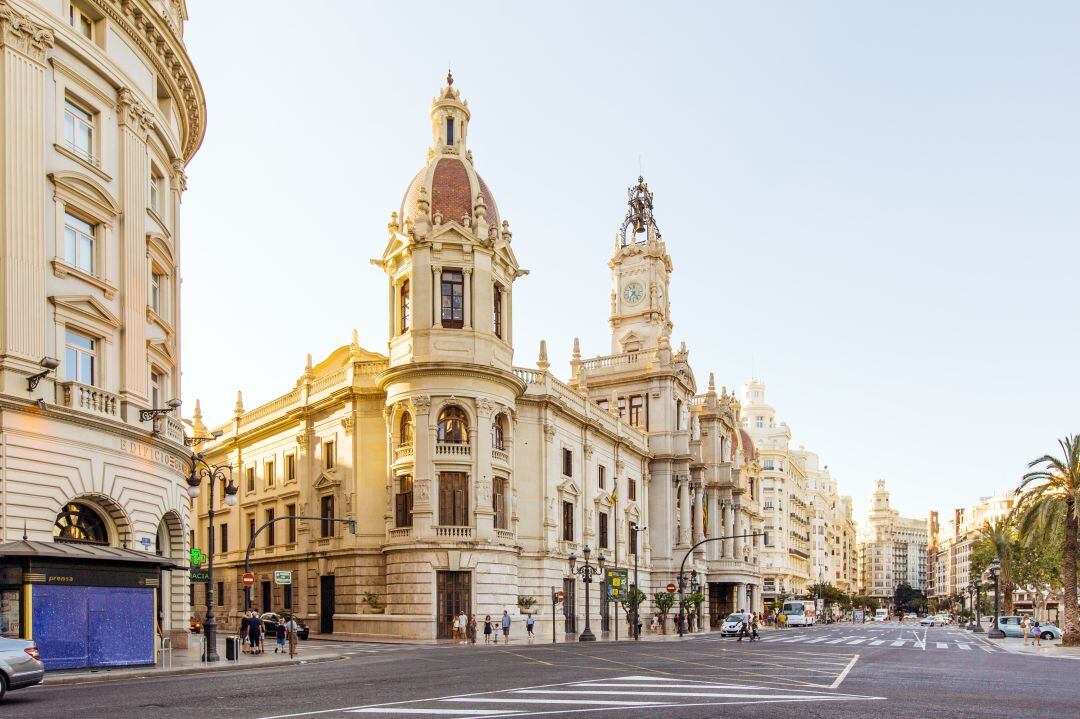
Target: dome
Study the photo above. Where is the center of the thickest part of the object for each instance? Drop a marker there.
(452, 185)
(451, 182)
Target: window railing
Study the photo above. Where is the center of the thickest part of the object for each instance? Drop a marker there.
(400, 532)
(88, 399)
(84, 154)
(403, 451)
(458, 449)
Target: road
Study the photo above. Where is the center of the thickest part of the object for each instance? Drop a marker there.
(838, 672)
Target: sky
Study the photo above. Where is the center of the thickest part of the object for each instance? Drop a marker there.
(870, 206)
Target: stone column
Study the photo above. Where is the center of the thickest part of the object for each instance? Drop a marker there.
(739, 527)
(436, 296)
(467, 290)
(23, 262)
(424, 489)
(484, 510)
(684, 511)
(729, 518)
(699, 504)
(135, 124)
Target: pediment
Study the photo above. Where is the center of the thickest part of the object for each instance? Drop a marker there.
(397, 243)
(87, 309)
(452, 231)
(164, 348)
(327, 480)
(569, 488)
(82, 187)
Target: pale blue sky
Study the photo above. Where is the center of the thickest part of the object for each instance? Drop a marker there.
(874, 205)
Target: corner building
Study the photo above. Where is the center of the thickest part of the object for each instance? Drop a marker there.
(473, 480)
(100, 111)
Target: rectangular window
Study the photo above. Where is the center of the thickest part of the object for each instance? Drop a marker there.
(290, 467)
(271, 535)
(403, 502)
(223, 542)
(767, 464)
(251, 528)
(568, 521)
(450, 131)
(156, 381)
(453, 499)
(405, 306)
(502, 520)
(601, 476)
(83, 23)
(759, 422)
(637, 406)
(622, 407)
(602, 530)
(250, 479)
(453, 299)
(80, 358)
(157, 281)
(220, 594)
(79, 239)
(329, 454)
(497, 320)
(290, 524)
(326, 511)
(271, 473)
(568, 462)
(79, 131)
(631, 489)
(157, 191)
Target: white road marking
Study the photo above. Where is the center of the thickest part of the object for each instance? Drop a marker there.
(964, 646)
(843, 674)
(899, 642)
(816, 640)
(942, 645)
(685, 695)
(414, 710)
(523, 700)
(856, 641)
(877, 642)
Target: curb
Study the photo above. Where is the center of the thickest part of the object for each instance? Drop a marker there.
(74, 680)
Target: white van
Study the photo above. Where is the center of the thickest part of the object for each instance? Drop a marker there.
(881, 615)
(798, 613)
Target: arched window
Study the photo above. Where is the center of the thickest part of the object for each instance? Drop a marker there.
(453, 425)
(405, 435)
(77, 522)
(498, 433)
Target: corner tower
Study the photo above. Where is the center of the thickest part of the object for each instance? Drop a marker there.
(640, 275)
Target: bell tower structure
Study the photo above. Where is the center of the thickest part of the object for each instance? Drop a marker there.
(640, 275)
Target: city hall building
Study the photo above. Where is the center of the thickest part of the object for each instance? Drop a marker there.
(100, 111)
(471, 480)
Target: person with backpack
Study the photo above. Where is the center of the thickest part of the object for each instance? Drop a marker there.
(280, 632)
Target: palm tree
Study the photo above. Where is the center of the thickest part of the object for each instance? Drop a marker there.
(1050, 498)
(999, 540)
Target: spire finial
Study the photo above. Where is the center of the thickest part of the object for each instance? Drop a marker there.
(449, 77)
(577, 349)
(542, 361)
(239, 407)
(712, 383)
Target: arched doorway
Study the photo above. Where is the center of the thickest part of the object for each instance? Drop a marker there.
(82, 523)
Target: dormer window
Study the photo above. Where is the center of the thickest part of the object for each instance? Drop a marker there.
(450, 131)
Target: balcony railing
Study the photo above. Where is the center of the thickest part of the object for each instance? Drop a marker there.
(454, 532)
(89, 399)
(400, 532)
(501, 455)
(83, 153)
(505, 535)
(453, 449)
(403, 451)
(174, 429)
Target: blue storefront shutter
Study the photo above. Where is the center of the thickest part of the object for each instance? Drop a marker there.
(93, 626)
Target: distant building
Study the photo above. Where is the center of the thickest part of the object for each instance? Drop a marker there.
(892, 549)
(951, 542)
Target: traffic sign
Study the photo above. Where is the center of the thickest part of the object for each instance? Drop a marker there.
(558, 596)
(671, 588)
(249, 580)
(282, 577)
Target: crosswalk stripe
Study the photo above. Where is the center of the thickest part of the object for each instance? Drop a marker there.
(877, 642)
(816, 640)
(899, 642)
(986, 649)
(415, 710)
(690, 695)
(942, 645)
(523, 700)
(837, 641)
(856, 641)
(964, 646)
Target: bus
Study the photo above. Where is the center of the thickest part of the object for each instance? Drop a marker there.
(799, 613)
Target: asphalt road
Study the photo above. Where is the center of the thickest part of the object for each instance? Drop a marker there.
(837, 672)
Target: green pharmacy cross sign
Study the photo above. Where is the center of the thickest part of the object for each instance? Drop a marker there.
(197, 557)
(617, 583)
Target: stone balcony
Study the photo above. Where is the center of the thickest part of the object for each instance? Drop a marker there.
(454, 532)
(501, 455)
(453, 449)
(404, 453)
(91, 400)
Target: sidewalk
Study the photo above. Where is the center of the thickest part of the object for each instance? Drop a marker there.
(189, 661)
(1053, 648)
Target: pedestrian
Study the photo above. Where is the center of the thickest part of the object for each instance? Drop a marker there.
(754, 627)
(281, 634)
(487, 629)
(654, 625)
(458, 627)
(782, 619)
(245, 629)
(506, 627)
(1025, 624)
(292, 632)
(530, 620)
(1036, 633)
(255, 628)
(470, 629)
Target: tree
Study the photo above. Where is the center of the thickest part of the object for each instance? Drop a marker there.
(907, 599)
(635, 597)
(1049, 499)
(998, 541)
(663, 601)
(1037, 568)
(693, 602)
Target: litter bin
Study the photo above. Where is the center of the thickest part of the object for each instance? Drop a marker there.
(232, 648)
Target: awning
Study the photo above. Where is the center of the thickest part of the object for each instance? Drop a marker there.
(80, 551)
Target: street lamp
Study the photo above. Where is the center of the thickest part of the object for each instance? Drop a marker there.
(200, 470)
(635, 530)
(694, 587)
(995, 572)
(971, 605)
(587, 571)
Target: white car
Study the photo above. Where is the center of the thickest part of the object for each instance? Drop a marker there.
(934, 620)
(731, 626)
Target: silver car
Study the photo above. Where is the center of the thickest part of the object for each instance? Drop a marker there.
(20, 665)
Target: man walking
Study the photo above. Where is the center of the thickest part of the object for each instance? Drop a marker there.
(529, 622)
(506, 627)
(292, 632)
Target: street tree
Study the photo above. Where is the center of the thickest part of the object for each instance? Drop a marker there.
(997, 541)
(1037, 569)
(663, 601)
(1050, 500)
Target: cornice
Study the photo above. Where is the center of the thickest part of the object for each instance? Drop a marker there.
(446, 369)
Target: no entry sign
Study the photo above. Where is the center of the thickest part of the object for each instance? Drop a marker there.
(671, 588)
(249, 580)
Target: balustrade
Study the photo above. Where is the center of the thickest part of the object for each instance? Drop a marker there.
(89, 399)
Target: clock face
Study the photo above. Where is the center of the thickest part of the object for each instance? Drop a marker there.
(633, 293)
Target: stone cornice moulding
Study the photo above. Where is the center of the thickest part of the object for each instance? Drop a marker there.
(445, 369)
(71, 186)
(88, 309)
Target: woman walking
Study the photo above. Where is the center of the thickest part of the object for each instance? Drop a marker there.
(487, 629)
(470, 629)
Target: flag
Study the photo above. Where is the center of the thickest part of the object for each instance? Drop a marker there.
(614, 490)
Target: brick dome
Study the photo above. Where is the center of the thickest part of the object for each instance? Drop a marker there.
(452, 186)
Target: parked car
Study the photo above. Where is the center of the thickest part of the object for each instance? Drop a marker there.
(20, 665)
(271, 620)
(934, 620)
(731, 626)
(1011, 627)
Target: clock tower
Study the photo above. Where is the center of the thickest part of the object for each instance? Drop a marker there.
(640, 273)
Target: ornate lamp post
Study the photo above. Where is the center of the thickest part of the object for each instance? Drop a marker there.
(587, 572)
(200, 470)
(636, 529)
(694, 586)
(978, 617)
(995, 573)
(971, 605)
